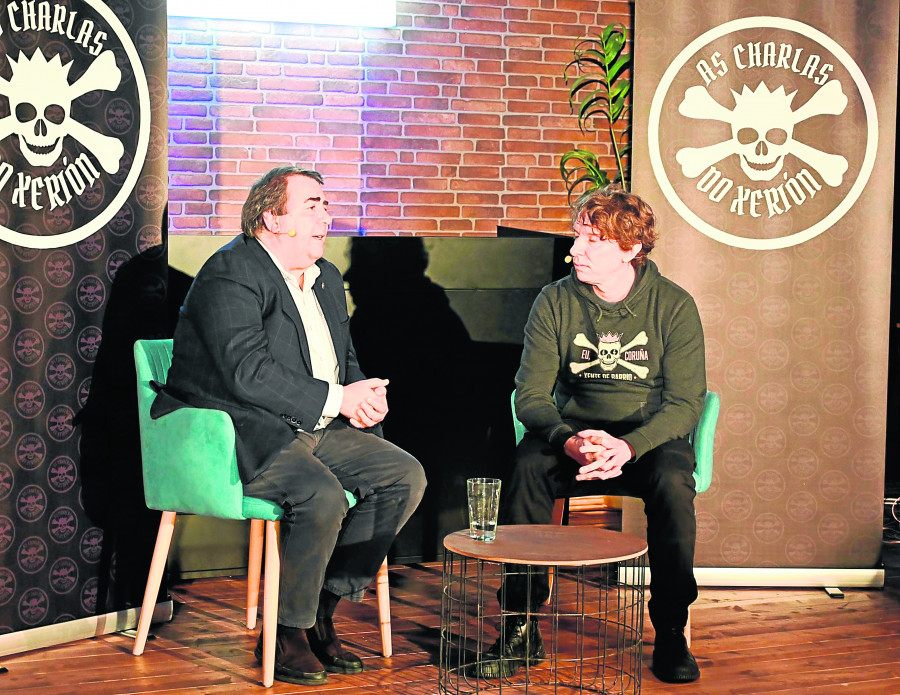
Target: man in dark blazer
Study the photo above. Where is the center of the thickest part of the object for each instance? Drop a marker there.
(263, 335)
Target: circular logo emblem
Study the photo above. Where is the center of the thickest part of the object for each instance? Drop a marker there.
(60, 371)
(866, 507)
(741, 331)
(122, 221)
(7, 585)
(773, 354)
(30, 451)
(29, 347)
(6, 428)
(836, 399)
(61, 153)
(4, 322)
(739, 418)
(6, 480)
(91, 293)
(61, 422)
(28, 295)
(91, 248)
(5, 375)
(800, 550)
(89, 595)
(707, 527)
(760, 161)
(804, 420)
(774, 310)
(769, 485)
(62, 525)
(771, 441)
(31, 503)
(63, 575)
(32, 555)
(59, 320)
(7, 533)
(61, 474)
(33, 606)
(738, 462)
(92, 544)
(836, 442)
(58, 269)
(867, 464)
(768, 528)
(29, 399)
(737, 505)
(89, 343)
(114, 262)
(839, 311)
(833, 529)
(869, 421)
(801, 507)
(740, 375)
(84, 391)
(735, 549)
(772, 398)
(802, 463)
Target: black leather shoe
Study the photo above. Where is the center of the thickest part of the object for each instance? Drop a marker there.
(294, 660)
(327, 647)
(672, 660)
(520, 643)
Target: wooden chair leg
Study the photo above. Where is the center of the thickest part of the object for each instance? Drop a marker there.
(254, 565)
(384, 608)
(270, 601)
(154, 579)
(559, 513)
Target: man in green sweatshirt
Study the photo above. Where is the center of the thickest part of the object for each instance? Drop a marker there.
(612, 379)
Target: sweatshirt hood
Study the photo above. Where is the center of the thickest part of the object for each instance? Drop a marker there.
(646, 276)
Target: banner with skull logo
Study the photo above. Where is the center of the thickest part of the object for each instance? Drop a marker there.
(764, 140)
(82, 274)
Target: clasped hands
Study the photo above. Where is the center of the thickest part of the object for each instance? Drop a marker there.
(365, 402)
(599, 455)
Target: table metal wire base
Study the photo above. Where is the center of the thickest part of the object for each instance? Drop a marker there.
(592, 628)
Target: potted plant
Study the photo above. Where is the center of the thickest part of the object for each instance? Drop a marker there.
(600, 89)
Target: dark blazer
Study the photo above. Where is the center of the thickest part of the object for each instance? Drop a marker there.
(240, 347)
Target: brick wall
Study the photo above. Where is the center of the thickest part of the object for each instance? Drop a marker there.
(451, 123)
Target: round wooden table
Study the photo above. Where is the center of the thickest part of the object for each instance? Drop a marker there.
(592, 626)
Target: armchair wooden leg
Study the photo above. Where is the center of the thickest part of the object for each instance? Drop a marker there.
(154, 579)
(384, 608)
(257, 533)
(270, 600)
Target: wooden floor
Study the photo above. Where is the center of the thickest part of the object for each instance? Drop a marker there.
(746, 641)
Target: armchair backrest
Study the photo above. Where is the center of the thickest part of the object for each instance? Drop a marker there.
(189, 460)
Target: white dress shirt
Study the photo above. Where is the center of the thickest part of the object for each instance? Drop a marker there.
(318, 337)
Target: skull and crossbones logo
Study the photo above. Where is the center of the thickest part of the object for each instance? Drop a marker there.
(609, 351)
(762, 128)
(40, 102)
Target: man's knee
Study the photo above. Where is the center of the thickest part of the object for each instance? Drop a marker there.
(414, 478)
(668, 471)
(327, 504)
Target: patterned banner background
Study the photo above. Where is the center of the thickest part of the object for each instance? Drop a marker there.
(764, 139)
(82, 274)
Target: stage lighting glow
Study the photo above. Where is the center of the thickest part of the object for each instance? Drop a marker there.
(360, 13)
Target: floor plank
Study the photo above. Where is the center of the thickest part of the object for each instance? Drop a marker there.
(748, 641)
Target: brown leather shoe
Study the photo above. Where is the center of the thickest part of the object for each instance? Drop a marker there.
(294, 660)
(326, 645)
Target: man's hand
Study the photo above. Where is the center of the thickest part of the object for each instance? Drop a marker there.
(603, 455)
(365, 402)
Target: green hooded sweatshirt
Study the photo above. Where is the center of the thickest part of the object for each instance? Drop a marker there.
(638, 364)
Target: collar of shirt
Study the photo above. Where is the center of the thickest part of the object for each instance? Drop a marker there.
(309, 275)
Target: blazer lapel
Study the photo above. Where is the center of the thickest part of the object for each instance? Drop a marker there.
(288, 306)
(332, 318)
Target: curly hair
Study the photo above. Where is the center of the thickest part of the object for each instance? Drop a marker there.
(616, 214)
(269, 194)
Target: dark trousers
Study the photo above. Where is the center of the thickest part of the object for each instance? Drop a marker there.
(663, 478)
(323, 544)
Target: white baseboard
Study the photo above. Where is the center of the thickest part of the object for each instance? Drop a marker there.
(60, 633)
(798, 577)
